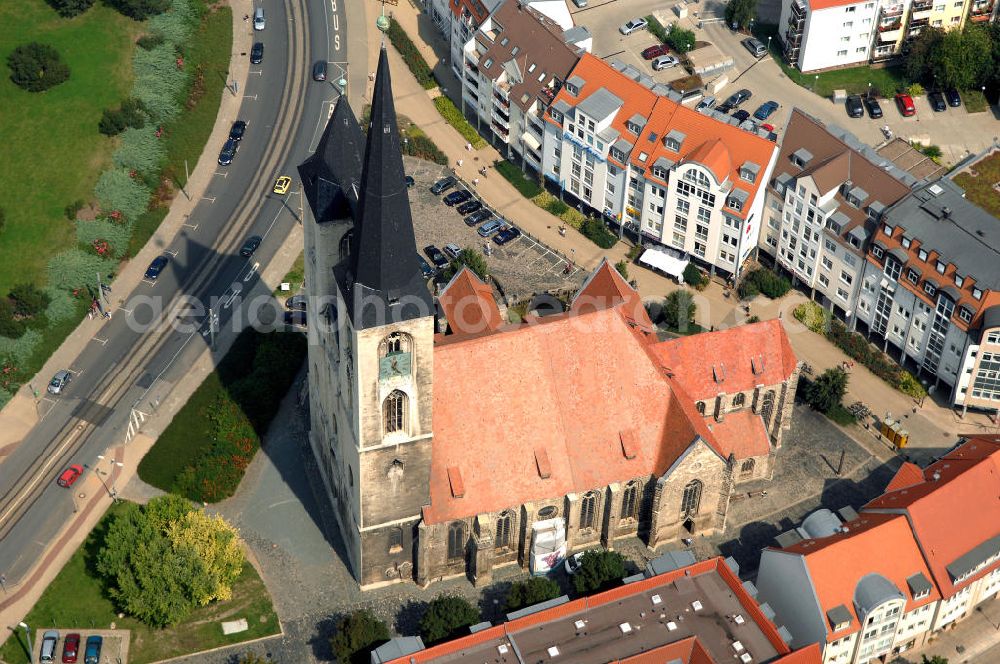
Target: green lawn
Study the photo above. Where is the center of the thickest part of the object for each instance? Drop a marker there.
(88, 608)
(978, 182)
(295, 278)
(52, 150)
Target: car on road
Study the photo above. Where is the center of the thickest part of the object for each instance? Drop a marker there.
(442, 185)
(735, 100)
(855, 108)
(71, 648)
(506, 235)
(456, 197)
(937, 102)
(70, 475)
(228, 152)
(904, 103)
(707, 102)
(766, 110)
(741, 116)
(409, 181)
(156, 267)
(469, 207)
(572, 563)
(250, 246)
(452, 250)
(295, 318)
(491, 227)
(259, 23)
(954, 99)
(755, 46)
(437, 258)
(282, 184)
(257, 53)
(874, 108)
(59, 381)
(425, 267)
(297, 302)
(633, 25)
(238, 130)
(478, 217)
(92, 655)
(665, 62)
(319, 70)
(655, 51)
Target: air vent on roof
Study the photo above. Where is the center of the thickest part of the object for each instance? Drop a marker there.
(945, 212)
(719, 372)
(935, 189)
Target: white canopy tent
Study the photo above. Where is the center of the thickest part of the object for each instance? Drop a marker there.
(659, 258)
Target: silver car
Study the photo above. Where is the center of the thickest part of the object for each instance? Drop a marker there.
(60, 381)
(632, 26)
(665, 62)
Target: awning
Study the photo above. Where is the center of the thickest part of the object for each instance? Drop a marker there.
(659, 259)
(530, 140)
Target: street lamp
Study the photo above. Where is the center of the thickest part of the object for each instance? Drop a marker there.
(27, 634)
(112, 491)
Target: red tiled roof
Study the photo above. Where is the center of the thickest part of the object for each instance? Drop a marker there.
(476, 9)
(468, 304)
(606, 288)
(685, 651)
(809, 655)
(741, 433)
(713, 155)
(816, 5)
(732, 360)
(908, 474)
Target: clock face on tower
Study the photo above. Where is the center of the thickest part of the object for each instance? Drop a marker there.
(394, 364)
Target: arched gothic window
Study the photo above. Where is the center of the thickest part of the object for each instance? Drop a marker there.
(345, 245)
(394, 412)
(456, 540)
(630, 501)
(767, 408)
(502, 540)
(588, 510)
(395, 539)
(691, 500)
(397, 342)
(747, 467)
(739, 400)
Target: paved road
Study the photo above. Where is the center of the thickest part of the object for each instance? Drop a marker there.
(131, 362)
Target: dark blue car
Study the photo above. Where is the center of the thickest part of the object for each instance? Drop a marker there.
(456, 197)
(506, 235)
(93, 653)
(154, 269)
(765, 110)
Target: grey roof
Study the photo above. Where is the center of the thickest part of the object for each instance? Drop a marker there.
(669, 561)
(915, 269)
(991, 317)
(860, 234)
(575, 34)
(879, 244)
(732, 564)
(969, 561)
(664, 163)
(783, 179)
(803, 155)
(638, 576)
(788, 538)
(899, 254)
(951, 292)
(562, 106)
(676, 135)
(480, 626)
(918, 584)
(877, 207)
(838, 615)
(871, 591)
(821, 523)
(535, 608)
(600, 104)
(751, 167)
(767, 610)
(838, 221)
(401, 646)
(330, 177)
(847, 513)
(968, 233)
(576, 81)
(750, 588)
(638, 120)
(609, 135)
(785, 635)
(858, 193)
(624, 145)
(739, 195)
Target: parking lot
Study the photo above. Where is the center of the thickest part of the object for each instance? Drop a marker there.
(523, 266)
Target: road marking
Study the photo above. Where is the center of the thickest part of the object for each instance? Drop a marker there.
(100, 341)
(193, 227)
(237, 288)
(259, 72)
(224, 174)
(149, 281)
(253, 270)
(172, 252)
(254, 97)
(210, 199)
(38, 477)
(281, 502)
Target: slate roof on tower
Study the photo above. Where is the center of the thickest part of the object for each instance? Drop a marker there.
(331, 176)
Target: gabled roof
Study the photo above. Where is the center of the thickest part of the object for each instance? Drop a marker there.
(713, 155)
(909, 474)
(741, 433)
(468, 304)
(604, 288)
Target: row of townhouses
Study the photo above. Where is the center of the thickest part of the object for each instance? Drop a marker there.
(825, 34)
(913, 562)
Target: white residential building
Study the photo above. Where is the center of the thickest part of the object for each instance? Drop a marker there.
(820, 34)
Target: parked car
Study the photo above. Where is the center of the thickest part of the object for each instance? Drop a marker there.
(410, 181)
(257, 53)
(69, 476)
(735, 100)
(469, 207)
(580, 3)
(478, 217)
(47, 653)
(258, 24)
(437, 258)
(905, 104)
(741, 116)
(766, 110)
(632, 26)
(425, 267)
(953, 97)
(250, 246)
(156, 267)
(319, 70)
(71, 648)
(655, 51)
(237, 131)
(755, 46)
(707, 102)
(506, 235)
(874, 108)
(228, 152)
(452, 250)
(282, 184)
(93, 653)
(443, 185)
(298, 302)
(665, 62)
(295, 318)
(572, 563)
(59, 381)
(456, 197)
(855, 108)
(491, 227)
(937, 102)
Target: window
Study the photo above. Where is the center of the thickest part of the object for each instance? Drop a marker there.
(977, 293)
(827, 263)
(922, 254)
(394, 415)
(588, 510)
(630, 501)
(767, 407)
(877, 251)
(841, 54)
(929, 288)
(912, 275)
(846, 277)
(739, 400)
(397, 342)
(502, 540)
(965, 314)
(456, 540)
(848, 24)
(691, 500)
(701, 407)
(746, 469)
(395, 540)
(959, 280)
(941, 266)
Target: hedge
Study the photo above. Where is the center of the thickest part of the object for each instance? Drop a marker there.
(595, 231)
(516, 177)
(762, 280)
(880, 364)
(411, 56)
(813, 316)
(454, 117)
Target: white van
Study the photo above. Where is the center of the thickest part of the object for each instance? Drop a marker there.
(48, 650)
(258, 19)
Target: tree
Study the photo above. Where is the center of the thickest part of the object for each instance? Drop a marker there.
(36, 67)
(531, 591)
(10, 326)
(680, 40)
(741, 13)
(827, 391)
(919, 52)
(622, 268)
(599, 569)
(253, 658)
(70, 8)
(445, 616)
(357, 633)
(140, 10)
(217, 545)
(693, 276)
(28, 300)
(471, 259)
(678, 310)
(962, 58)
(933, 659)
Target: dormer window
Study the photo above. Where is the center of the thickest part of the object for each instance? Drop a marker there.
(504, 41)
(922, 594)
(556, 115)
(734, 203)
(965, 314)
(514, 51)
(659, 172)
(922, 254)
(977, 293)
(747, 175)
(617, 154)
(877, 251)
(941, 266)
(674, 140)
(913, 275)
(959, 280)
(633, 128)
(801, 157)
(855, 242)
(888, 229)
(907, 242)
(930, 288)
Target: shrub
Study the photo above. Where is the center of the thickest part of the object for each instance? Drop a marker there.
(9, 325)
(158, 84)
(470, 258)
(140, 10)
(117, 191)
(411, 56)
(599, 569)
(514, 175)
(28, 300)
(634, 252)
(595, 231)
(622, 267)
(680, 40)
(175, 25)
(73, 208)
(694, 277)
(75, 268)
(748, 289)
(419, 144)
(19, 350)
(762, 280)
(357, 633)
(70, 8)
(454, 117)
(915, 90)
(61, 305)
(813, 316)
(112, 122)
(531, 591)
(446, 615)
(36, 67)
(827, 391)
(140, 151)
(116, 235)
(655, 27)
(149, 42)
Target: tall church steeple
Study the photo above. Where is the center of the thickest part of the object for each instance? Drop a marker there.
(332, 175)
(383, 272)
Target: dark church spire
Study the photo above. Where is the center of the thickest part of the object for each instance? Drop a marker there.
(332, 175)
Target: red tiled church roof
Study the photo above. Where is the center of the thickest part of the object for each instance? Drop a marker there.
(606, 288)
(468, 304)
(741, 433)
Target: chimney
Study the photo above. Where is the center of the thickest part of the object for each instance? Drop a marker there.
(936, 476)
(945, 212)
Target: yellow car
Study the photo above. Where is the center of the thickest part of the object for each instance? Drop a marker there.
(282, 184)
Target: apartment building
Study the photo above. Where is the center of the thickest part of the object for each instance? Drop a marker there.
(621, 145)
(823, 201)
(915, 560)
(513, 67)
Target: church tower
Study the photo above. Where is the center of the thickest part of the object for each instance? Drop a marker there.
(371, 411)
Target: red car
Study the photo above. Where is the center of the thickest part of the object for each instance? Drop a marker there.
(69, 476)
(905, 104)
(655, 51)
(70, 647)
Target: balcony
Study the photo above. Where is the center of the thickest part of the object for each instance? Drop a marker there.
(793, 38)
(981, 11)
(501, 102)
(919, 6)
(500, 131)
(895, 11)
(499, 119)
(920, 21)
